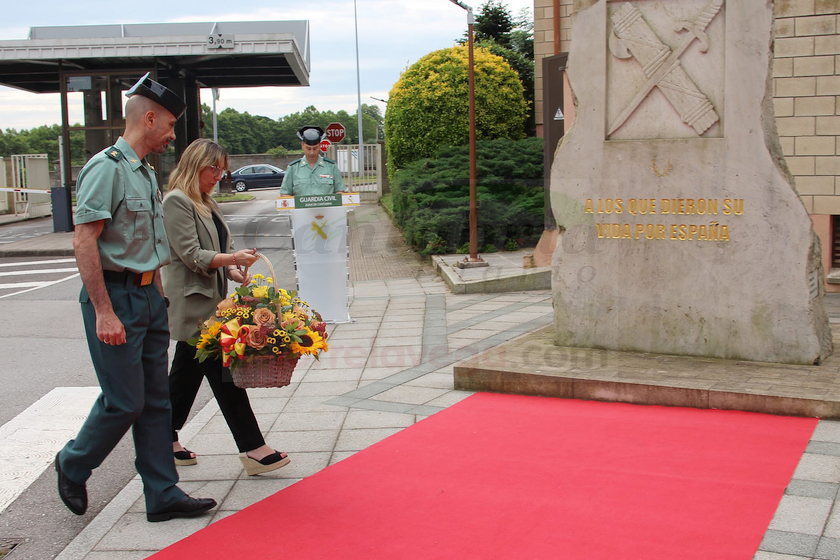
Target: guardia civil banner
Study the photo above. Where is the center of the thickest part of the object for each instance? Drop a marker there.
(319, 229)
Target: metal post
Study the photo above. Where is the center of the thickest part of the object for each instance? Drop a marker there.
(215, 92)
(473, 173)
(359, 110)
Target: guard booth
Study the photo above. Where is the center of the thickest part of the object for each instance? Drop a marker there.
(92, 67)
(30, 185)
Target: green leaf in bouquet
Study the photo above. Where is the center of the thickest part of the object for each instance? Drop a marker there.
(242, 291)
(272, 293)
(193, 341)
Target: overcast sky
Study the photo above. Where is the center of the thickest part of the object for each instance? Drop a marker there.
(392, 35)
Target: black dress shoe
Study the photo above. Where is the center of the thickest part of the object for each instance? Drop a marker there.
(186, 507)
(73, 494)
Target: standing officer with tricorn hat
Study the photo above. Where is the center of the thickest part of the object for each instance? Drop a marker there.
(120, 245)
(313, 174)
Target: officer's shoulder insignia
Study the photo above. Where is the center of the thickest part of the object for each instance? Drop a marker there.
(114, 153)
(296, 161)
(328, 160)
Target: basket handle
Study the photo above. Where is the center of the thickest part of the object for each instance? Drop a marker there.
(270, 268)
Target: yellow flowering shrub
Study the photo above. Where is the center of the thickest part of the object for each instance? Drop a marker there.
(428, 107)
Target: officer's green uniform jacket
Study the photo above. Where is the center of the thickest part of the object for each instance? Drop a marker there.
(301, 179)
(120, 188)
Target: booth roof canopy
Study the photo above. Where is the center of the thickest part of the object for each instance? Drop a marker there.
(221, 54)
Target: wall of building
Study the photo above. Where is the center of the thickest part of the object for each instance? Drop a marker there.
(806, 81)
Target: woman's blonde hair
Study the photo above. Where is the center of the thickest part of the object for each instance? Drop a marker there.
(198, 155)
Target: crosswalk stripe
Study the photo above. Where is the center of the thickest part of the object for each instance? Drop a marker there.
(42, 285)
(31, 439)
(30, 263)
(38, 271)
(22, 285)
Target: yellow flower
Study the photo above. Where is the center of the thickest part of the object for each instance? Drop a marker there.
(260, 292)
(215, 328)
(259, 277)
(270, 280)
(205, 339)
(310, 343)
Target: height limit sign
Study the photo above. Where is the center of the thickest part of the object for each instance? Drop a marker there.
(335, 132)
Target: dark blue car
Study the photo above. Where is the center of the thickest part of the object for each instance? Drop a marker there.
(256, 176)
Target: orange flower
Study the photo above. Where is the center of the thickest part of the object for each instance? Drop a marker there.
(264, 317)
(256, 339)
(223, 305)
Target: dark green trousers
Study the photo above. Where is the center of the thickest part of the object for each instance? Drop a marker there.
(135, 394)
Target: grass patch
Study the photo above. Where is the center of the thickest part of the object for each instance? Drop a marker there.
(232, 197)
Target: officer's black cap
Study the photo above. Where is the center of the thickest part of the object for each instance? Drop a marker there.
(311, 135)
(160, 94)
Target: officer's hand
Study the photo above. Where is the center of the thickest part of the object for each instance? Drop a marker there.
(246, 257)
(109, 329)
(239, 276)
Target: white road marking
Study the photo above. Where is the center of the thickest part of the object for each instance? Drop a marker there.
(32, 438)
(30, 263)
(42, 285)
(38, 271)
(22, 285)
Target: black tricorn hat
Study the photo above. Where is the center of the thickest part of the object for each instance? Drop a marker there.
(160, 94)
(311, 135)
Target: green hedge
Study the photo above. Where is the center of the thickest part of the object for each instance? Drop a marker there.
(431, 197)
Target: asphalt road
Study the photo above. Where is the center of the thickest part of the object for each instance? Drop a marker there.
(45, 348)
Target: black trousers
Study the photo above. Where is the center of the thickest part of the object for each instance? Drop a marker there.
(184, 381)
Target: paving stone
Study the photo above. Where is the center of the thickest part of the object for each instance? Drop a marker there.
(797, 514)
(823, 448)
(337, 374)
(828, 549)
(307, 421)
(827, 430)
(435, 380)
(789, 543)
(294, 442)
(133, 532)
(213, 467)
(120, 555)
(449, 398)
(248, 492)
(832, 528)
(362, 438)
(372, 373)
(211, 444)
(409, 395)
(318, 388)
(357, 418)
(761, 555)
(310, 404)
(809, 489)
(818, 468)
(271, 405)
(340, 456)
(302, 464)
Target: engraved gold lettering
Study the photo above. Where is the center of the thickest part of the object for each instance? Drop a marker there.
(625, 232)
(674, 231)
(692, 231)
(683, 229)
(588, 209)
(727, 207)
(738, 208)
(702, 235)
(724, 233)
(618, 205)
(640, 228)
(689, 206)
(603, 230)
(681, 206)
(616, 231)
(649, 231)
(713, 206)
(660, 231)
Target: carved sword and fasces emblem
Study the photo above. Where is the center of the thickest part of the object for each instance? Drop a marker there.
(633, 37)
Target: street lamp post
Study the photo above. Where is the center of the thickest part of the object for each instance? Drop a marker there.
(359, 97)
(473, 259)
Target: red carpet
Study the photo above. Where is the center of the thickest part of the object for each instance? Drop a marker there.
(502, 476)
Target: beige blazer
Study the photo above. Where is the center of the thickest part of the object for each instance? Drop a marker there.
(192, 287)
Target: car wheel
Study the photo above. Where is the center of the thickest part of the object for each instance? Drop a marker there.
(240, 186)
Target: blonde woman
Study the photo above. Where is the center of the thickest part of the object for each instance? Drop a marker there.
(203, 260)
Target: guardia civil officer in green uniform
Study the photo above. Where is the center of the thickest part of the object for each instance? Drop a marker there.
(312, 174)
(120, 245)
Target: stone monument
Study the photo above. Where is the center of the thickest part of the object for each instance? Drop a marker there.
(682, 232)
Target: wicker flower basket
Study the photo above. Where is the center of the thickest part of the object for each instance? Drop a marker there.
(264, 371)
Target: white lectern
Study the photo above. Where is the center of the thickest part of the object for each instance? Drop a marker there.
(319, 234)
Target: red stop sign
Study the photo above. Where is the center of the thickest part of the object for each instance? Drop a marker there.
(335, 132)
(325, 144)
